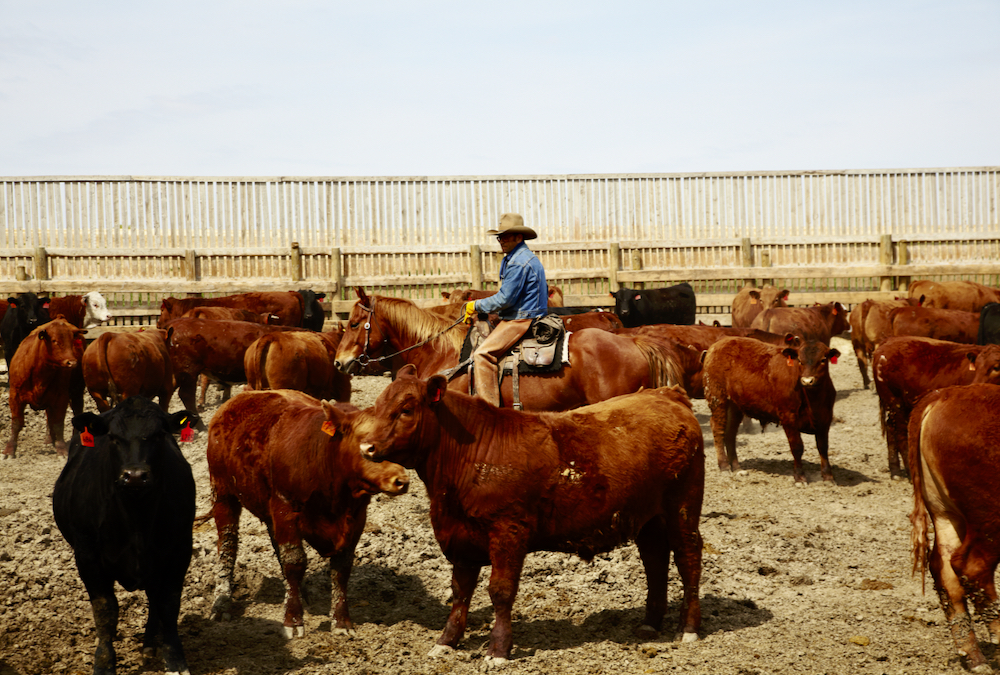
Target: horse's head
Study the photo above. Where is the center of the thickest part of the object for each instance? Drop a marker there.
(364, 336)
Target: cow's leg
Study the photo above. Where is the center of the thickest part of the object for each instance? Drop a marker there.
(227, 391)
(507, 555)
(975, 564)
(896, 437)
(226, 511)
(726, 419)
(823, 446)
(164, 609)
(951, 593)
(101, 590)
(654, 550)
(859, 352)
(463, 583)
(798, 448)
(16, 424)
(685, 540)
(292, 557)
(187, 386)
(203, 379)
(55, 420)
(76, 389)
(341, 564)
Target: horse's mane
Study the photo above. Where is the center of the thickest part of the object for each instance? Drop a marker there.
(415, 324)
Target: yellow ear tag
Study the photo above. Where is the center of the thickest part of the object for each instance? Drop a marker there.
(972, 366)
(791, 362)
(753, 301)
(329, 428)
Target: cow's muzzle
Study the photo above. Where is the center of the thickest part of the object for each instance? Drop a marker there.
(134, 477)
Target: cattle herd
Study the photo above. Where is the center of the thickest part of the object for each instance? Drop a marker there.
(573, 474)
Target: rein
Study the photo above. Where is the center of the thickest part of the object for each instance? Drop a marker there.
(364, 359)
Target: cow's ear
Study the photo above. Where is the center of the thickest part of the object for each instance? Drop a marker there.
(972, 358)
(922, 299)
(436, 387)
(784, 294)
(43, 335)
(320, 296)
(166, 303)
(611, 294)
(337, 419)
(45, 305)
(181, 420)
(12, 302)
(792, 340)
(755, 295)
(833, 355)
(407, 371)
(790, 353)
(92, 422)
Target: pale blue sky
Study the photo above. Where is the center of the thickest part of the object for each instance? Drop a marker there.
(447, 87)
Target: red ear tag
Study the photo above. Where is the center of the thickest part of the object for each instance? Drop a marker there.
(87, 438)
(437, 396)
(834, 311)
(329, 428)
(187, 434)
(637, 297)
(833, 360)
(791, 362)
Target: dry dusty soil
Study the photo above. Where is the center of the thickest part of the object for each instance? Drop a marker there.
(812, 579)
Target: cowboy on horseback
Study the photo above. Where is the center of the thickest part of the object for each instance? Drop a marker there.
(523, 296)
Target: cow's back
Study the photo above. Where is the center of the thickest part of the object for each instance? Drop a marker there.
(967, 296)
(941, 324)
(749, 302)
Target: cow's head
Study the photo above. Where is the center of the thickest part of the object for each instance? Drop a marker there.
(63, 343)
(96, 309)
(813, 360)
(625, 303)
(986, 364)
(133, 436)
(31, 310)
(345, 425)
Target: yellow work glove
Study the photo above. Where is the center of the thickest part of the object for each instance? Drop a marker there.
(470, 311)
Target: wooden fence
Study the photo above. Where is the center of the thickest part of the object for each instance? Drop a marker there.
(851, 234)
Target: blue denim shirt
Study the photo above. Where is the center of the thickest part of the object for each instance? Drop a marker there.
(524, 292)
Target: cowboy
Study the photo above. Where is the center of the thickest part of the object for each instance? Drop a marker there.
(523, 296)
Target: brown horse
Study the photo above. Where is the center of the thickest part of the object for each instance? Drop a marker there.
(602, 364)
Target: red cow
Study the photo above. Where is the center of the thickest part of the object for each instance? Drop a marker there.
(702, 337)
(286, 305)
(750, 302)
(119, 365)
(45, 373)
(906, 368)
(83, 311)
(298, 360)
(295, 463)
(967, 296)
(869, 326)
(942, 324)
(504, 483)
(955, 462)
(227, 314)
(608, 321)
(789, 386)
(819, 323)
(213, 348)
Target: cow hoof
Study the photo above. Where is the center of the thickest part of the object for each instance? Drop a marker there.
(800, 483)
(349, 632)
(689, 637)
(295, 631)
(742, 473)
(438, 651)
(982, 668)
(646, 632)
(179, 672)
(221, 609)
(490, 662)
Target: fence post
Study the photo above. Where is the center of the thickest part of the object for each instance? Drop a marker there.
(41, 264)
(904, 259)
(190, 265)
(885, 258)
(337, 272)
(21, 274)
(637, 265)
(765, 261)
(476, 267)
(614, 252)
(295, 263)
(746, 254)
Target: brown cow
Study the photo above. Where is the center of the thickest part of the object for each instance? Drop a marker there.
(295, 463)
(941, 324)
(227, 314)
(298, 360)
(608, 321)
(967, 296)
(870, 326)
(83, 311)
(119, 365)
(702, 337)
(956, 468)
(504, 483)
(45, 373)
(213, 348)
(818, 323)
(906, 368)
(750, 302)
(285, 305)
(789, 386)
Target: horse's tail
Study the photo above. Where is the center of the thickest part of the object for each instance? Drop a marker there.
(664, 368)
(919, 544)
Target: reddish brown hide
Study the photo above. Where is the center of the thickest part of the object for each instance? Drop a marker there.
(119, 365)
(295, 463)
(941, 324)
(45, 373)
(227, 314)
(789, 386)
(603, 364)
(967, 296)
(303, 361)
(504, 483)
(906, 368)
(286, 305)
(750, 302)
(869, 327)
(819, 323)
(954, 453)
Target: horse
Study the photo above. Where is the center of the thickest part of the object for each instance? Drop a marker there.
(601, 364)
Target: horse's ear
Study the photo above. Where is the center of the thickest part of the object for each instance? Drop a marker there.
(362, 296)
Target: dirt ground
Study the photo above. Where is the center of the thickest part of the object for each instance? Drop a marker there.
(812, 579)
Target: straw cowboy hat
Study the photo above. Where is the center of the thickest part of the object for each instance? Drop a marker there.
(514, 224)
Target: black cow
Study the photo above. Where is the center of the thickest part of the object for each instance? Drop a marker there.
(26, 313)
(989, 324)
(312, 311)
(674, 304)
(125, 502)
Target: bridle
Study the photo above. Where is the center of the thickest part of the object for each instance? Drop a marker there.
(364, 359)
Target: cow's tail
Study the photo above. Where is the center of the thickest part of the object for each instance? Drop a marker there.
(102, 363)
(878, 368)
(664, 369)
(256, 365)
(919, 542)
